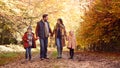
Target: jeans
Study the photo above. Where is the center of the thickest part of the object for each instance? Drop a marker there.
(59, 47)
(28, 53)
(43, 47)
(71, 53)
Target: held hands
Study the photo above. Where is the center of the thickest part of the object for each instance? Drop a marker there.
(37, 38)
(67, 38)
(51, 34)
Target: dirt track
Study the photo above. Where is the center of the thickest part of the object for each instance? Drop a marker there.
(81, 60)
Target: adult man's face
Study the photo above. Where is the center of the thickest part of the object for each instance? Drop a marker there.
(46, 18)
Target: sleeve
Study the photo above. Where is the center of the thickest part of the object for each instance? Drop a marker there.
(64, 29)
(65, 32)
(54, 31)
(49, 28)
(34, 41)
(24, 38)
(37, 29)
(75, 40)
(34, 37)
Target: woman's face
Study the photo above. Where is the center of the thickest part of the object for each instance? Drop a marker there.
(58, 21)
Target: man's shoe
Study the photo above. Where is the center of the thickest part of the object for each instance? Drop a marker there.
(42, 58)
(59, 57)
(27, 59)
(46, 58)
(70, 58)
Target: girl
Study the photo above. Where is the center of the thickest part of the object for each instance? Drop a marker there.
(71, 43)
(29, 42)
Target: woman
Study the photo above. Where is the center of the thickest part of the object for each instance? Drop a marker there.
(60, 34)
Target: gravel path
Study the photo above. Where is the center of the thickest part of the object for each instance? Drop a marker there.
(81, 60)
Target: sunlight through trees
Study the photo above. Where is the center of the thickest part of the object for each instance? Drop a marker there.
(96, 22)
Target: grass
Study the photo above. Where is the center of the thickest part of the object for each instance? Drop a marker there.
(54, 54)
(12, 57)
(9, 57)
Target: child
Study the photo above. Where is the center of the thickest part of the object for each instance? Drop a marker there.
(71, 43)
(29, 42)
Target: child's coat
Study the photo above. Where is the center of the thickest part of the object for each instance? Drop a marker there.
(71, 41)
(25, 42)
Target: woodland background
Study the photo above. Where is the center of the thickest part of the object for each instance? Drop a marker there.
(96, 22)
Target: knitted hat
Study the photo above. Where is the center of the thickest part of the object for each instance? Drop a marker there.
(29, 28)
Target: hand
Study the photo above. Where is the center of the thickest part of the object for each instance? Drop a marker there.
(51, 34)
(67, 38)
(27, 40)
(37, 37)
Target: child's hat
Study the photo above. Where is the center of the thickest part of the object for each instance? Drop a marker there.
(30, 27)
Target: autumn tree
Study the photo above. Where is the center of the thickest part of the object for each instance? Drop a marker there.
(100, 30)
(17, 15)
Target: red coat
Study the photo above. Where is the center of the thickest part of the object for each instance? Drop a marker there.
(25, 42)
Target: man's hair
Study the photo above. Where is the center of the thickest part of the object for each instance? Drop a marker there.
(45, 15)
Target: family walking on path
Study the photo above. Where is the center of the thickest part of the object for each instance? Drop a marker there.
(43, 31)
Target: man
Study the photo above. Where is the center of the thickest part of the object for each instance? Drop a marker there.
(42, 32)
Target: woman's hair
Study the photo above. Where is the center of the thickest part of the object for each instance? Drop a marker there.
(61, 21)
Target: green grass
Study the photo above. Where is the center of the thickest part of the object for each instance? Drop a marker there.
(12, 57)
(54, 54)
(9, 57)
